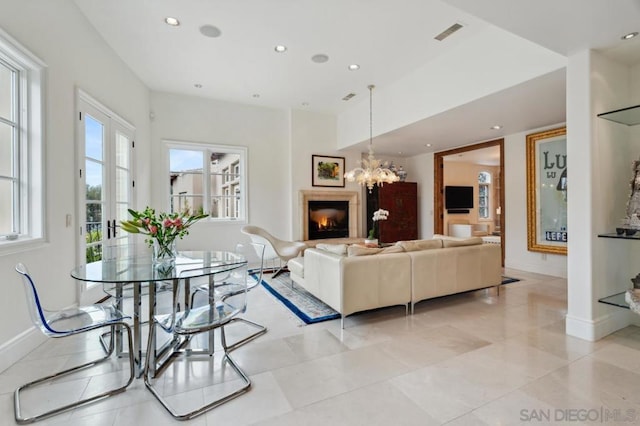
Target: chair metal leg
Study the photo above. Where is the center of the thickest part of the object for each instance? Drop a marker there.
(228, 348)
(211, 405)
(280, 270)
(106, 394)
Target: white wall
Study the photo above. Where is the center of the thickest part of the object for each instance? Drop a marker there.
(315, 133)
(422, 170)
(515, 209)
(76, 57)
(263, 131)
(517, 255)
(444, 83)
(600, 154)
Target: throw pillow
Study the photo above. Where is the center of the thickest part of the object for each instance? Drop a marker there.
(340, 249)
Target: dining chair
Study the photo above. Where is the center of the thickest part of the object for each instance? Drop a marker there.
(65, 323)
(275, 248)
(122, 296)
(226, 302)
(254, 253)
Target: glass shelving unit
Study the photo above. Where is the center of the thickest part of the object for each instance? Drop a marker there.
(629, 116)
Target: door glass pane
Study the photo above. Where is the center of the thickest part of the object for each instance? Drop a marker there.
(6, 206)
(122, 185)
(122, 151)
(93, 252)
(94, 221)
(94, 137)
(122, 212)
(93, 180)
(6, 92)
(6, 150)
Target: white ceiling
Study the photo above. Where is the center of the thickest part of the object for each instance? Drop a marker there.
(484, 156)
(388, 39)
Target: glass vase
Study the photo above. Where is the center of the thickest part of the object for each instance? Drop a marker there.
(164, 253)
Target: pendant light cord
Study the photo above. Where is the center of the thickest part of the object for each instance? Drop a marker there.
(371, 86)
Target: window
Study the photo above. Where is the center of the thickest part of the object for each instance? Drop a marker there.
(21, 195)
(484, 183)
(208, 178)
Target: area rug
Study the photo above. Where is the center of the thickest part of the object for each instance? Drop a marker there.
(299, 301)
(509, 280)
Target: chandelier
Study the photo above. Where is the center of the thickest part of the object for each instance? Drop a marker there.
(373, 171)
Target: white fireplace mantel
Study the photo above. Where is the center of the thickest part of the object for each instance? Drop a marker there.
(314, 195)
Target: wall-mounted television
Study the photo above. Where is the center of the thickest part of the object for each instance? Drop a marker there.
(458, 197)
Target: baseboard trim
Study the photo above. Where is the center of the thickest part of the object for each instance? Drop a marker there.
(537, 269)
(18, 347)
(602, 326)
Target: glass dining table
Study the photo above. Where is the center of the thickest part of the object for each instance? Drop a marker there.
(136, 274)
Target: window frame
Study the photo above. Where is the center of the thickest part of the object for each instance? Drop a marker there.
(241, 181)
(486, 184)
(29, 203)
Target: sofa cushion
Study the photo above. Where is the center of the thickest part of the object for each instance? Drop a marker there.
(296, 266)
(392, 249)
(340, 249)
(357, 250)
(417, 245)
(459, 242)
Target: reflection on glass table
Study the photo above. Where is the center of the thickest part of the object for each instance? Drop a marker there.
(138, 270)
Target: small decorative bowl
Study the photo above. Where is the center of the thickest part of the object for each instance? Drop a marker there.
(629, 231)
(619, 231)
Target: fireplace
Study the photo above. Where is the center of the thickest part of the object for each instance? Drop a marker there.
(328, 219)
(341, 210)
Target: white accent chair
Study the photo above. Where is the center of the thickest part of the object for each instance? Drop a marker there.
(274, 248)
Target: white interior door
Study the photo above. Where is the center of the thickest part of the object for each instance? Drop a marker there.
(106, 184)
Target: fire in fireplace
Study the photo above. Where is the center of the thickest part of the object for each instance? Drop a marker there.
(328, 219)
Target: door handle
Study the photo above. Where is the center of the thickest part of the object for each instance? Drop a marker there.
(114, 228)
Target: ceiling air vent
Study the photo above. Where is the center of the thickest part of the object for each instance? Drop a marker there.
(446, 33)
(348, 97)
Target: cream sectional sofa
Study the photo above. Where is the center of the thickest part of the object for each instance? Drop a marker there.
(353, 279)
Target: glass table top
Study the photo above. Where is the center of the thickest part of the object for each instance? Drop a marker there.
(140, 268)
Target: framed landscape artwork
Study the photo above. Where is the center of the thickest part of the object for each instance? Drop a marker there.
(327, 171)
(547, 191)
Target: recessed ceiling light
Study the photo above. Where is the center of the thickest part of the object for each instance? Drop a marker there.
(496, 127)
(210, 31)
(354, 67)
(428, 145)
(172, 21)
(256, 95)
(400, 152)
(320, 58)
(629, 36)
(198, 86)
(280, 48)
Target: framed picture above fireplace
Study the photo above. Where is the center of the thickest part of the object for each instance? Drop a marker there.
(327, 171)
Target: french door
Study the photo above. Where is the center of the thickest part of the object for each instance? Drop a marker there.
(106, 184)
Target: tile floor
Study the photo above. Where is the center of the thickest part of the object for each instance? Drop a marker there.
(471, 359)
